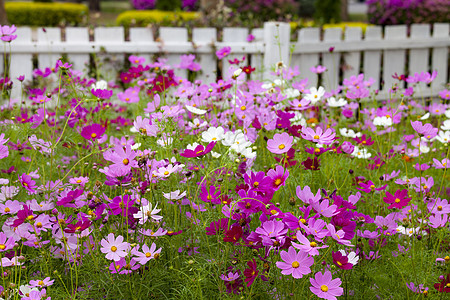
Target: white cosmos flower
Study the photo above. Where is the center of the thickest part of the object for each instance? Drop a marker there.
(332, 102)
(382, 121)
(213, 134)
(146, 212)
(164, 142)
(443, 137)
(136, 146)
(248, 153)
(215, 154)
(361, 153)
(196, 123)
(446, 125)
(352, 257)
(425, 116)
(291, 93)
(100, 85)
(195, 110)
(175, 195)
(192, 146)
(349, 133)
(447, 113)
(315, 95)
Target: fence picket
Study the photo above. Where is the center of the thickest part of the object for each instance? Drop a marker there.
(230, 36)
(331, 59)
(257, 59)
(393, 60)
(49, 37)
(352, 60)
(142, 36)
(439, 60)
(77, 35)
(307, 61)
(372, 58)
(171, 35)
(208, 61)
(418, 58)
(21, 63)
(104, 36)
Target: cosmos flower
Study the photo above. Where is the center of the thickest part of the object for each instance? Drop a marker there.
(295, 264)
(323, 286)
(319, 136)
(114, 248)
(281, 143)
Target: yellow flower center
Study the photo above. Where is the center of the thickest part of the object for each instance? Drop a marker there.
(113, 248)
(38, 224)
(148, 254)
(2, 247)
(41, 282)
(243, 107)
(295, 264)
(7, 210)
(316, 137)
(93, 135)
(256, 184)
(281, 147)
(126, 161)
(277, 182)
(439, 208)
(78, 181)
(447, 258)
(166, 173)
(324, 288)
(313, 244)
(397, 200)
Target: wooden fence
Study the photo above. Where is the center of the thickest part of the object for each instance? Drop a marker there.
(378, 52)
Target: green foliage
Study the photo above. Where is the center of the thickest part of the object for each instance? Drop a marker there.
(169, 5)
(143, 18)
(328, 11)
(45, 14)
(306, 8)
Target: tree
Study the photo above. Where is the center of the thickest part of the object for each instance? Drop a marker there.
(94, 5)
(3, 17)
(344, 10)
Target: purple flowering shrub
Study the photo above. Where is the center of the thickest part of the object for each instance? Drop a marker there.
(263, 10)
(393, 12)
(143, 4)
(156, 186)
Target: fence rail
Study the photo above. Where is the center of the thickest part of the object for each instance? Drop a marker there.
(378, 53)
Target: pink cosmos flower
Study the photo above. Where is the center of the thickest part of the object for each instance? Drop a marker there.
(427, 130)
(5, 242)
(42, 283)
(7, 33)
(114, 248)
(319, 136)
(338, 236)
(147, 253)
(324, 287)
(318, 70)
(295, 264)
(28, 183)
(281, 143)
(310, 247)
(278, 176)
(200, 150)
(223, 52)
(92, 132)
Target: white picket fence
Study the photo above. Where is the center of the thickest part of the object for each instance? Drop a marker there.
(379, 54)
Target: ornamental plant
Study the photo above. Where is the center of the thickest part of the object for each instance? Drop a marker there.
(157, 186)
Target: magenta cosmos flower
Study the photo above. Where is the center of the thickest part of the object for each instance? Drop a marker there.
(281, 143)
(324, 287)
(295, 264)
(319, 136)
(92, 132)
(398, 200)
(114, 248)
(223, 52)
(200, 150)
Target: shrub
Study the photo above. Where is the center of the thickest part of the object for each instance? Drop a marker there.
(45, 14)
(392, 12)
(263, 10)
(144, 18)
(327, 11)
(168, 5)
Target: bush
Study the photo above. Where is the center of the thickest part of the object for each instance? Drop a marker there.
(263, 10)
(144, 18)
(143, 4)
(328, 11)
(392, 12)
(45, 14)
(168, 5)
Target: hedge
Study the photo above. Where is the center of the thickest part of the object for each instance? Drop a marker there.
(45, 14)
(142, 18)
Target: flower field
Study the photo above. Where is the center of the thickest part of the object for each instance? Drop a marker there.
(154, 186)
